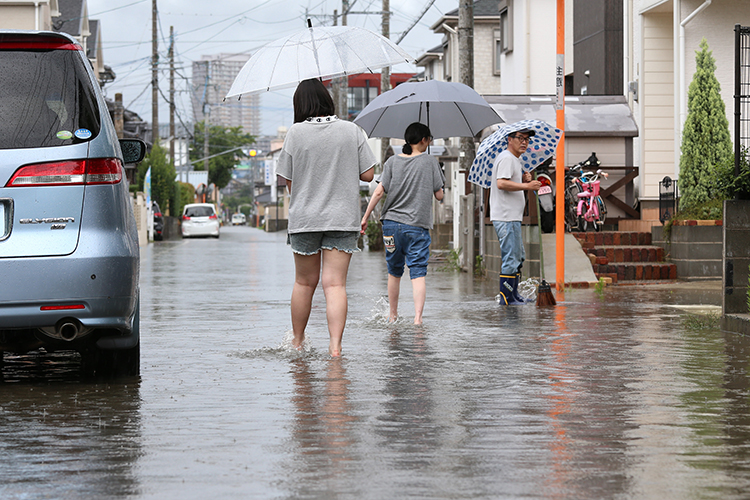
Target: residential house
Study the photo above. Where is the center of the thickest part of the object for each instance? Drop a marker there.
(515, 50)
(364, 87)
(432, 63)
(28, 14)
(661, 37)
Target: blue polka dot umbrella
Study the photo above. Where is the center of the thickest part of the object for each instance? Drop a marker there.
(541, 147)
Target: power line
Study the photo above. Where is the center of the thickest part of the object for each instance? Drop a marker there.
(424, 11)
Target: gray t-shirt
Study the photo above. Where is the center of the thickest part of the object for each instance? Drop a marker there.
(324, 158)
(506, 206)
(410, 184)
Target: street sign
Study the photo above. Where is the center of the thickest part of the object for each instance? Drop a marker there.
(560, 82)
(269, 174)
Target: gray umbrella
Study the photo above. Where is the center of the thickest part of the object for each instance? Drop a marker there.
(450, 109)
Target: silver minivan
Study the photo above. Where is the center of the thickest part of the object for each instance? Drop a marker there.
(69, 251)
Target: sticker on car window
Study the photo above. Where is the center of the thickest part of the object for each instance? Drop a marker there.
(64, 135)
(82, 133)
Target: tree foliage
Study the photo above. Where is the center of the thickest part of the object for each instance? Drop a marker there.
(706, 144)
(162, 177)
(220, 139)
(242, 196)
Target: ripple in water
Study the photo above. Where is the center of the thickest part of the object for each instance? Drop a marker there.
(283, 350)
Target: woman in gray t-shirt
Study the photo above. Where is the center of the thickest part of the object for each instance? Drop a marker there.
(323, 159)
(410, 179)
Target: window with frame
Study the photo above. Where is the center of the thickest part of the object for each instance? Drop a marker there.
(497, 52)
(504, 35)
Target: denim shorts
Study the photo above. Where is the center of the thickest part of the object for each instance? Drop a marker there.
(314, 242)
(405, 244)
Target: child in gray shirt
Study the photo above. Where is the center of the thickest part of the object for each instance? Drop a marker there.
(410, 179)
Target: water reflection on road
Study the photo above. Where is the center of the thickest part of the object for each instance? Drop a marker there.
(607, 395)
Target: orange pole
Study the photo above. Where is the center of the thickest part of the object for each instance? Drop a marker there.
(560, 157)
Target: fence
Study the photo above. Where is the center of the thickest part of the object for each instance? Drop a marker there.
(667, 199)
(741, 93)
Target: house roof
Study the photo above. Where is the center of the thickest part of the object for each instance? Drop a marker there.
(433, 53)
(71, 17)
(483, 9)
(92, 46)
(585, 116)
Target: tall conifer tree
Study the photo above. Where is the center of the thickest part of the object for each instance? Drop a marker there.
(706, 143)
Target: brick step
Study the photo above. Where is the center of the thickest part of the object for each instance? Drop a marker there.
(614, 238)
(636, 272)
(616, 254)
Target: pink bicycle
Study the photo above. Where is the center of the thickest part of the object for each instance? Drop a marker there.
(591, 207)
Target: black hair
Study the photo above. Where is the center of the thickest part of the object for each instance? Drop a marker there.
(312, 99)
(413, 134)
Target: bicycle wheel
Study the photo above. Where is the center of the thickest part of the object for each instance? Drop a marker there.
(602, 209)
(571, 202)
(583, 224)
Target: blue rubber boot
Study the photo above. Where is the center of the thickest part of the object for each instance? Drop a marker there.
(508, 286)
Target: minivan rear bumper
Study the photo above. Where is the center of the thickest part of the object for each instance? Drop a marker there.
(106, 287)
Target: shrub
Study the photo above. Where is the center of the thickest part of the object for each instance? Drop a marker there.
(706, 146)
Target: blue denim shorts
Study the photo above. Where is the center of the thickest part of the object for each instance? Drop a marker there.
(406, 245)
(312, 243)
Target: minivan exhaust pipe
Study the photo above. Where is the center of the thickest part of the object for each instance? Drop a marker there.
(68, 329)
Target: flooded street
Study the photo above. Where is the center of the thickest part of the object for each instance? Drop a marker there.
(611, 394)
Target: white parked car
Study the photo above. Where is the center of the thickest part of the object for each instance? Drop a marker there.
(238, 219)
(200, 219)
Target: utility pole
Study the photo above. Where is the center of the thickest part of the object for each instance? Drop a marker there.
(171, 95)
(336, 82)
(560, 154)
(343, 103)
(466, 149)
(171, 115)
(385, 74)
(206, 119)
(154, 77)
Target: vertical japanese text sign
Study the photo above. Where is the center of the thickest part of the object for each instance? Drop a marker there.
(560, 82)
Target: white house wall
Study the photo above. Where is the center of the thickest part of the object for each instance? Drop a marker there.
(529, 69)
(542, 43)
(657, 101)
(18, 17)
(652, 59)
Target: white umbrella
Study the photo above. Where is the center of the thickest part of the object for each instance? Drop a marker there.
(450, 109)
(541, 146)
(321, 52)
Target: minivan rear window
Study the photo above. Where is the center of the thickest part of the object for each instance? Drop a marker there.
(47, 98)
(199, 211)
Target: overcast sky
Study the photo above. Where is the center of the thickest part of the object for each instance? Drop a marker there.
(232, 26)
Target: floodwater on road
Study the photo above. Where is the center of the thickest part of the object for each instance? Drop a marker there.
(610, 394)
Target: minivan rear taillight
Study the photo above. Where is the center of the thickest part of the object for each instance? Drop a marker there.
(34, 41)
(68, 173)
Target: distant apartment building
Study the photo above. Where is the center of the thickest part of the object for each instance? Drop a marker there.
(212, 77)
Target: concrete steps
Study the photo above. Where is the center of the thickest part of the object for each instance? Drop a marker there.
(626, 256)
